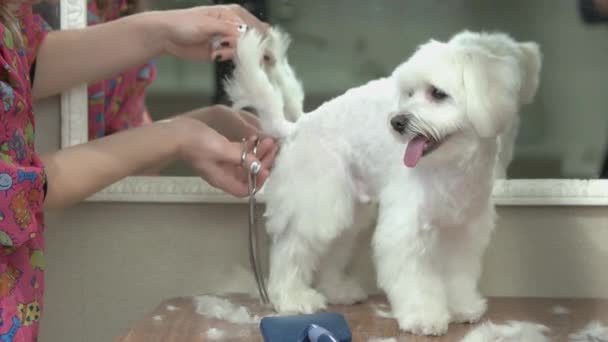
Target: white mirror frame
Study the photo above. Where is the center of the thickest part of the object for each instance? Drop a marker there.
(74, 107)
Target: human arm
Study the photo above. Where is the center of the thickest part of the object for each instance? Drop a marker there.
(232, 124)
(71, 57)
(78, 172)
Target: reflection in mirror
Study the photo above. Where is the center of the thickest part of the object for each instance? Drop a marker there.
(338, 45)
(49, 11)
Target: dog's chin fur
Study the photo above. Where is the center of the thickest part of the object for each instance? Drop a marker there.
(433, 220)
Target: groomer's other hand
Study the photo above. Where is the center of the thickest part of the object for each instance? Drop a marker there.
(206, 32)
(234, 125)
(218, 160)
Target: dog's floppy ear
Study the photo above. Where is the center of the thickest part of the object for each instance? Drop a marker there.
(492, 86)
(531, 60)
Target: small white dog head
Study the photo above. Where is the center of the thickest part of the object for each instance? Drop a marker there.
(451, 93)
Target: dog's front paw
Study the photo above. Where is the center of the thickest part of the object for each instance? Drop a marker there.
(305, 301)
(468, 312)
(343, 290)
(424, 321)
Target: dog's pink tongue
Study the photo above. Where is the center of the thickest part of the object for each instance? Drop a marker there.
(414, 151)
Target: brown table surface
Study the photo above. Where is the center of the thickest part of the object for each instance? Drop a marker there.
(183, 324)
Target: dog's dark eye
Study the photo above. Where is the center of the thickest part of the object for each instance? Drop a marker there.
(438, 94)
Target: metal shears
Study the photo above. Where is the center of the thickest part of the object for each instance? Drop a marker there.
(253, 171)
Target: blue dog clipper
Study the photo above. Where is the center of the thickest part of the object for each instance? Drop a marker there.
(315, 333)
(321, 327)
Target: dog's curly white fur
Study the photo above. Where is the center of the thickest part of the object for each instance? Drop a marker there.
(448, 106)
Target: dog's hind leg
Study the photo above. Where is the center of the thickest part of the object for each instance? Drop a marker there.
(308, 206)
(293, 258)
(337, 286)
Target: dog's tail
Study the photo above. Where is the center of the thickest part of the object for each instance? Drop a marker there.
(282, 75)
(263, 80)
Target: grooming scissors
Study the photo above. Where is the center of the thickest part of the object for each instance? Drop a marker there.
(253, 171)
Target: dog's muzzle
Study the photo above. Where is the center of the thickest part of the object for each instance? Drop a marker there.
(400, 123)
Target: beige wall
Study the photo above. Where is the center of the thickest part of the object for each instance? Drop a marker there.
(108, 264)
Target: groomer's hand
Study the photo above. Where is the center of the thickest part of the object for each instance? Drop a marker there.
(234, 125)
(218, 160)
(206, 32)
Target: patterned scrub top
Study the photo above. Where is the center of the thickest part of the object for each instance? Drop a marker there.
(118, 103)
(22, 187)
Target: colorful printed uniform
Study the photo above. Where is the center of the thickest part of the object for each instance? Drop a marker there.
(118, 103)
(22, 187)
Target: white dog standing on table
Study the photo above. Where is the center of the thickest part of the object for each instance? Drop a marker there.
(447, 107)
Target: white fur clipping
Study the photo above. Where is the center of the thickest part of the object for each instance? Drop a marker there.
(593, 332)
(382, 339)
(560, 310)
(219, 308)
(380, 312)
(270, 87)
(512, 331)
(216, 334)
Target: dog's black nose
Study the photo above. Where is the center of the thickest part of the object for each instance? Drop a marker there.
(399, 123)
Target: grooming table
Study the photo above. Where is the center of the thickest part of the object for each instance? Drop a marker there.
(176, 320)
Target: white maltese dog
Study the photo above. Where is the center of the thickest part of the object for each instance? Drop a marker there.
(453, 108)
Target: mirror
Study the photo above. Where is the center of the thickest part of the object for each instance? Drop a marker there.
(49, 11)
(341, 44)
(338, 45)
